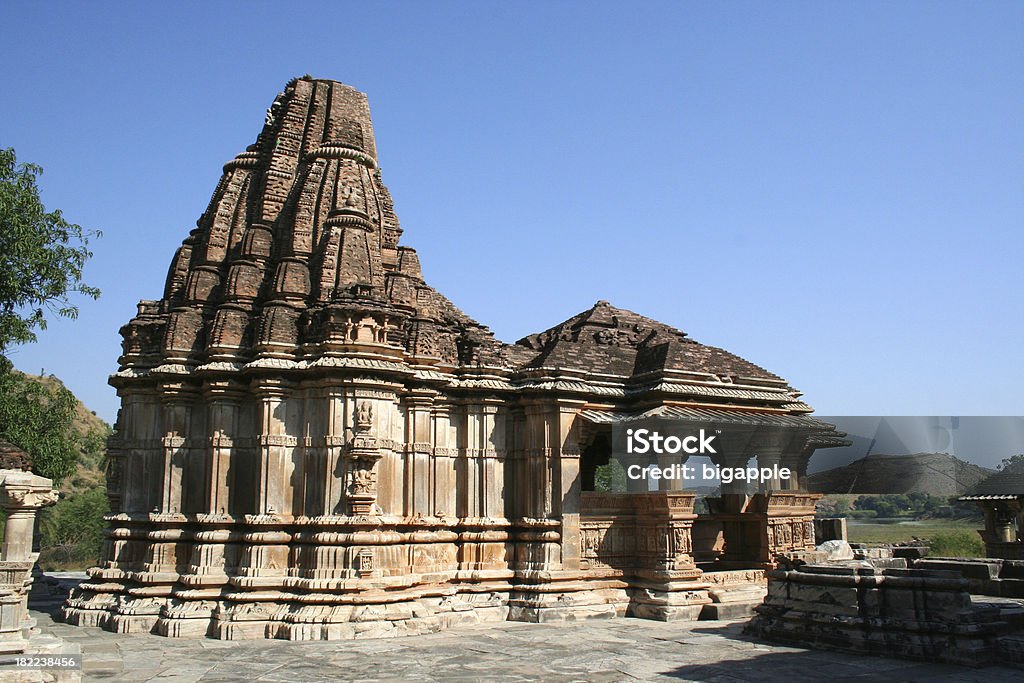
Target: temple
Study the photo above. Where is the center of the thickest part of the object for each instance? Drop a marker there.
(313, 443)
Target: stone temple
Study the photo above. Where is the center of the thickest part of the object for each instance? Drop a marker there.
(313, 443)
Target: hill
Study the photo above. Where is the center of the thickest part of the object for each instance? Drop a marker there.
(938, 474)
(91, 432)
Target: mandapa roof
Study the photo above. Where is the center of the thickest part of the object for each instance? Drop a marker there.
(609, 340)
(1001, 485)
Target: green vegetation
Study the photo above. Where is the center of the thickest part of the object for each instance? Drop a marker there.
(610, 478)
(41, 260)
(956, 544)
(899, 532)
(41, 256)
(67, 443)
(37, 417)
(945, 524)
(910, 505)
(1014, 463)
(72, 531)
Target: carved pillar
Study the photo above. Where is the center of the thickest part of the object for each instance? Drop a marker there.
(445, 449)
(177, 401)
(418, 447)
(334, 472)
(273, 485)
(115, 472)
(224, 398)
(492, 460)
(665, 463)
(143, 451)
(569, 481)
(770, 456)
(21, 496)
(537, 451)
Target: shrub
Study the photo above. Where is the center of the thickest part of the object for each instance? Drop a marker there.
(72, 531)
(956, 544)
(610, 478)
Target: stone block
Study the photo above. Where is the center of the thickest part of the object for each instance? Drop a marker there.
(727, 611)
(836, 550)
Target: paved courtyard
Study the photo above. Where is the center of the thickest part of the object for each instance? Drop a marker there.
(606, 650)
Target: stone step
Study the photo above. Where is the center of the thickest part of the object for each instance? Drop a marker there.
(1010, 649)
(723, 611)
(1006, 610)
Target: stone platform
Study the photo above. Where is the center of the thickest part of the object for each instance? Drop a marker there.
(601, 650)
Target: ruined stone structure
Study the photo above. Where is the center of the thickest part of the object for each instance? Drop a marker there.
(313, 443)
(1001, 499)
(22, 495)
(920, 613)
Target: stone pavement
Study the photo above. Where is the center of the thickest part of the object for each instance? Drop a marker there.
(600, 650)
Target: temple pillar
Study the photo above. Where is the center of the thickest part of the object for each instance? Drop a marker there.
(569, 481)
(141, 417)
(22, 494)
(418, 448)
(224, 398)
(445, 450)
(770, 457)
(333, 471)
(273, 493)
(665, 462)
(177, 401)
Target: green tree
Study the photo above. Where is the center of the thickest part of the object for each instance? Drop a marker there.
(41, 260)
(41, 256)
(1014, 463)
(610, 478)
(72, 530)
(38, 417)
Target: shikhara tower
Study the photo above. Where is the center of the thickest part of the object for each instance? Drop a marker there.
(314, 443)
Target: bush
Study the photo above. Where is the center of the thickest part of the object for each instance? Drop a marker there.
(610, 478)
(956, 544)
(72, 531)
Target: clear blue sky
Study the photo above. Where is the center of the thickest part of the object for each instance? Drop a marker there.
(832, 190)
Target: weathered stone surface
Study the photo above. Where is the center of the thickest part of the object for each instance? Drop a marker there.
(924, 614)
(836, 550)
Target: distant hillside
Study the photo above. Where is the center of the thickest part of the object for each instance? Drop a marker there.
(939, 474)
(92, 434)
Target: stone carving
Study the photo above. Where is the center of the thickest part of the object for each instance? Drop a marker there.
(364, 416)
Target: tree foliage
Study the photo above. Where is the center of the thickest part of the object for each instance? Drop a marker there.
(1014, 463)
(38, 417)
(610, 478)
(72, 530)
(41, 256)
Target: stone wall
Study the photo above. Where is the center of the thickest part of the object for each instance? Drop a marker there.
(923, 614)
